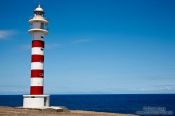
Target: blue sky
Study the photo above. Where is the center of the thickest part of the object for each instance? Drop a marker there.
(93, 46)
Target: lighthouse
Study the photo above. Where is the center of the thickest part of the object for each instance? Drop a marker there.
(38, 31)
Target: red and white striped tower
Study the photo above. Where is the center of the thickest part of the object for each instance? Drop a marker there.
(38, 30)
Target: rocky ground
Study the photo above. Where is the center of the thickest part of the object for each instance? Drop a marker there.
(10, 111)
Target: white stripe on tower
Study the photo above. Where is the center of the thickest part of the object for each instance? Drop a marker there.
(37, 66)
(37, 51)
(36, 82)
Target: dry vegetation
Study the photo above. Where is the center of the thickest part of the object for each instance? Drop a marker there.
(10, 111)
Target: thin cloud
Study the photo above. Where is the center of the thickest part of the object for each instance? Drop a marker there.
(5, 34)
(157, 88)
(48, 46)
(56, 45)
(79, 41)
(12, 89)
(166, 86)
(24, 47)
(53, 45)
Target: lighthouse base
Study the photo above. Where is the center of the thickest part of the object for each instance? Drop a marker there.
(35, 101)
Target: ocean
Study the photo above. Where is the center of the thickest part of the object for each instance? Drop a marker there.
(142, 104)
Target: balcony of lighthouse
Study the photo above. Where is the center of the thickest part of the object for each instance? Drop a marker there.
(38, 18)
(38, 26)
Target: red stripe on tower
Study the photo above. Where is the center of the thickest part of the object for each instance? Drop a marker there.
(37, 73)
(36, 90)
(37, 58)
(38, 43)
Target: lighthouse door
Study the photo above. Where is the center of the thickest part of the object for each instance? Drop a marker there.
(45, 101)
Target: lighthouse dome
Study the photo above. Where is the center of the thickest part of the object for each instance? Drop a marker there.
(39, 9)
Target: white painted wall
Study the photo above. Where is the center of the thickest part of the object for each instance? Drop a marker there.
(37, 36)
(32, 101)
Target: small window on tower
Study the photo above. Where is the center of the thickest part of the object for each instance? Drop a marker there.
(42, 49)
(42, 36)
(42, 25)
(41, 74)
